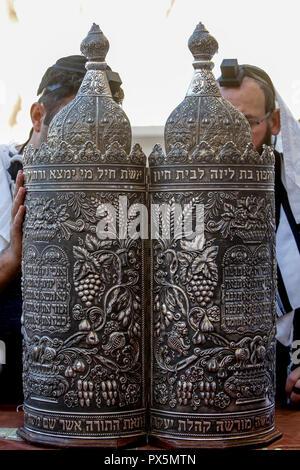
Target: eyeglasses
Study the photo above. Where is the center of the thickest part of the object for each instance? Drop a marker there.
(254, 122)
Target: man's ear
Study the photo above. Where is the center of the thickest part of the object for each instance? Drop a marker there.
(275, 122)
(37, 112)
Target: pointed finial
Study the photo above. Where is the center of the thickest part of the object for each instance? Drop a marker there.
(202, 45)
(95, 45)
(211, 120)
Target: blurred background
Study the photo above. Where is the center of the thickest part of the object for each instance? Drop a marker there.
(148, 47)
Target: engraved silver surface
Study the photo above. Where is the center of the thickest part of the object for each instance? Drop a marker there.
(83, 309)
(213, 295)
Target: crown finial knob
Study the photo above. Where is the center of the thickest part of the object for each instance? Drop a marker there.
(95, 45)
(202, 45)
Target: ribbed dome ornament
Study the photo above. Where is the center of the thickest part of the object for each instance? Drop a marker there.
(83, 275)
(213, 273)
(93, 116)
(204, 115)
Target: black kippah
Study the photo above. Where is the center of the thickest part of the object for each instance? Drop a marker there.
(13, 169)
(71, 64)
(233, 74)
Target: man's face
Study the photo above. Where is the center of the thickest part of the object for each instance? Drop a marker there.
(249, 99)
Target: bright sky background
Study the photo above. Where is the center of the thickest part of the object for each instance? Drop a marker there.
(147, 48)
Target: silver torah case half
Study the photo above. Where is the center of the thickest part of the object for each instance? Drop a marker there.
(213, 291)
(83, 292)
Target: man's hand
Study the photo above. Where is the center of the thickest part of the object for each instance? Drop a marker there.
(293, 381)
(10, 258)
(17, 216)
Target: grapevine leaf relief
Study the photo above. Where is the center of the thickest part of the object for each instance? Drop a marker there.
(99, 365)
(118, 349)
(186, 319)
(192, 266)
(205, 263)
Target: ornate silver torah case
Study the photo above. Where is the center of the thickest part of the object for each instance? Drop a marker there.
(203, 294)
(212, 294)
(83, 294)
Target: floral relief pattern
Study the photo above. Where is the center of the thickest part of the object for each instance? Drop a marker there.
(100, 363)
(249, 217)
(195, 366)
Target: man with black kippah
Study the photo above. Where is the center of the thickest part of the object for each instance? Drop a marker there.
(252, 92)
(58, 87)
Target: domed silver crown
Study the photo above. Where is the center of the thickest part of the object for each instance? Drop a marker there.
(204, 120)
(93, 117)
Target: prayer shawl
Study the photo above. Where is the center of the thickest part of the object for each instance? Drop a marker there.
(287, 235)
(8, 155)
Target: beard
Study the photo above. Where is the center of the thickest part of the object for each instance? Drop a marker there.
(267, 140)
